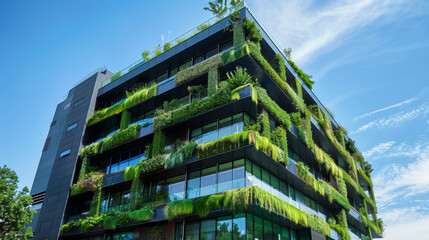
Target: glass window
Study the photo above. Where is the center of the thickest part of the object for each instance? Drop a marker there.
(258, 228)
(65, 153)
(179, 232)
(268, 229)
(277, 231)
(176, 188)
(78, 102)
(238, 174)
(225, 127)
(193, 190)
(208, 229)
(285, 234)
(208, 181)
(185, 65)
(249, 225)
(224, 228)
(192, 231)
(293, 235)
(161, 77)
(72, 126)
(209, 132)
(196, 135)
(225, 177)
(173, 71)
(226, 46)
(239, 227)
(211, 52)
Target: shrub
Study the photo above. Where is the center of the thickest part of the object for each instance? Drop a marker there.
(166, 46)
(238, 78)
(204, 205)
(120, 137)
(141, 215)
(198, 70)
(279, 66)
(178, 208)
(90, 182)
(271, 107)
(105, 113)
(305, 77)
(255, 51)
(115, 76)
(140, 96)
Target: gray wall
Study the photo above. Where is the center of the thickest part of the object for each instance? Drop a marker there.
(55, 174)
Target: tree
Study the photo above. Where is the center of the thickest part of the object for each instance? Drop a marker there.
(217, 7)
(288, 53)
(14, 211)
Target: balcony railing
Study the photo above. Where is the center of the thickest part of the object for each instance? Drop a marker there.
(174, 43)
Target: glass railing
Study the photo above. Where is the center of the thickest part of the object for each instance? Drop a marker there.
(122, 165)
(335, 235)
(144, 122)
(78, 216)
(119, 208)
(174, 43)
(108, 135)
(354, 213)
(353, 236)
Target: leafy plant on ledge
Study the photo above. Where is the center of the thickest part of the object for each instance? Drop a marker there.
(90, 182)
(241, 139)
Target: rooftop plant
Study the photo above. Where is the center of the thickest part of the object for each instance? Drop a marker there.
(90, 182)
(198, 70)
(238, 78)
(120, 137)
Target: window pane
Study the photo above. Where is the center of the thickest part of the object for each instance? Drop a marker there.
(224, 228)
(226, 45)
(176, 188)
(239, 227)
(277, 232)
(293, 235)
(249, 225)
(208, 229)
(238, 177)
(211, 53)
(193, 185)
(192, 231)
(208, 181)
(185, 65)
(225, 177)
(179, 231)
(258, 228)
(268, 230)
(285, 234)
(173, 71)
(161, 77)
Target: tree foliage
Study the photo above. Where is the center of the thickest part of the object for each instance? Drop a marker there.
(14, 211)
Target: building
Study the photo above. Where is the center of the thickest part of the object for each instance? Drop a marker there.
(185, 145)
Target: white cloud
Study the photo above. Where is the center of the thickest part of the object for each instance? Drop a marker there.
(378, 149)
(396, 119)
(311, 27)
(405, 223)
(384, 109)
(401, 181)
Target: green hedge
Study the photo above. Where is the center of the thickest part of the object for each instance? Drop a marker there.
(255, 51)
(222, 97)
(138, 97)
(241, 139)
(279, 66)
(270, 106)
(198, 70)
(305, 77)
(120, 137)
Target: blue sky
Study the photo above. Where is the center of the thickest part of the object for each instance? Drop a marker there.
(368, 58)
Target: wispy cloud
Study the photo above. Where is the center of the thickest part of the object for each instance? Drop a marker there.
(378, 149)
(396, 119)
(311, 27)
(400, 181)
(385, 108)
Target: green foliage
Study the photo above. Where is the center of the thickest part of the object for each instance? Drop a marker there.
(279, 66)
(253, 33)
(208, 203)
(305, 77)
(350, 146)
(344, 233)
(340, 138)
(235, 53)
(255, 51)
(220, 98)
(140, 96)
(303, 126)
(213, 81)
(217, 7)
(89, 182)
(238, 200)
(158, 142)
(166, 46)
(84, 168)
(238, 78)
(180, 154)
(298, 87)
(241, 139)
(198, 70)
(125, 119)
(110, 222)
(91, 149)
(279, 138)
(105, 113)
(141, 215)
(136, 190)
(120, 137)
(178, 208)
(133, 98)
(158, 51)
(14, 211)
(264, 121)
(145, 55)
(238, 33)
(272, 108)
(91, 222)
(115, 76)
(95, 206)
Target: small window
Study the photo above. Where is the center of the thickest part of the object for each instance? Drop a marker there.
(65, 153)
(72, 126)
(48, 140)
(78, 102)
